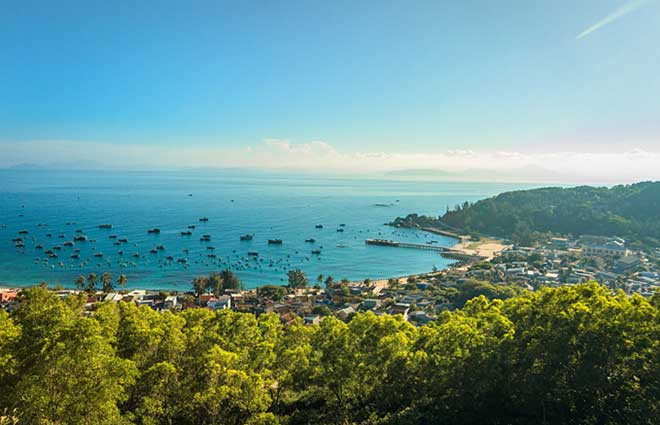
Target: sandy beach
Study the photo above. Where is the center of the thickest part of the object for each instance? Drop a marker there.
(485, 247)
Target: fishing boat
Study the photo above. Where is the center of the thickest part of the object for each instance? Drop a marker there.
(105, 226)
(122, 240)
(275, 241)
(154, 231)
(80, 238)
(340, 230)
(316, 251)
(205, 238)
(186, 233)
(319, 226)
(247, 237)
(112, 237)
(98, 255)
(311, 240)
(68, 243)
(204, 219)
(22, 232)
(253, 253)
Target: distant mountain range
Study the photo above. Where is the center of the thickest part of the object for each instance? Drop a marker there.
(531, 174)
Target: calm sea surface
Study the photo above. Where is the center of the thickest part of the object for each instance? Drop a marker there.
(65, 204)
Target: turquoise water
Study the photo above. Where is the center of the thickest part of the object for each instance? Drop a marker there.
(266, 206)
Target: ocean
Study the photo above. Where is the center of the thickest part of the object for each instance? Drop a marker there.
(56, 206)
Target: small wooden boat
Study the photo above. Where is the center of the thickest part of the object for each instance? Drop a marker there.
(275, 241)
(154, 231)
(105, 226)
(204, 219)
(247, 237)
(311, 240)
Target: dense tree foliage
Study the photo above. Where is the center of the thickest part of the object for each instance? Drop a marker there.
(571, 355)
(627, 211)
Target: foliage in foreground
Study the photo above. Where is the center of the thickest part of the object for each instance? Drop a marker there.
(575, 355)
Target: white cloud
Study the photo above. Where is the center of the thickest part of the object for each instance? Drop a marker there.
(319, 156)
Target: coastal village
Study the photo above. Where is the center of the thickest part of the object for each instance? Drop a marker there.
(484, 266)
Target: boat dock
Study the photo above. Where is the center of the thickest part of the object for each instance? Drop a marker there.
(445, 252)
(385, 242)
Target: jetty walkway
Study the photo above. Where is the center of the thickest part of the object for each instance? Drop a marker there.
(445, 252)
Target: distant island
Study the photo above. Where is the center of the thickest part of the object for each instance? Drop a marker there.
(628, 211)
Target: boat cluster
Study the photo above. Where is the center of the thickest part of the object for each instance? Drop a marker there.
(80, 251)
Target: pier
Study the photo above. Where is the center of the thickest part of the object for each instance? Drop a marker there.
(445, 252)
(385, 242)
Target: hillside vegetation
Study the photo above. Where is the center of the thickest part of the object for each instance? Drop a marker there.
(631, 212)
(573, 355)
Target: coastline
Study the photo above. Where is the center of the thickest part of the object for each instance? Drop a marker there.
(485, 247)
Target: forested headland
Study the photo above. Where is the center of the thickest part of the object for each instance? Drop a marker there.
(569, 355)
(628, 211)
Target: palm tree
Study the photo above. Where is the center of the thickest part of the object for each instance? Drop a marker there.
(80, 282)
(200, 284)
(91, 283)
(122, 280)
(107, 282)
(329, 281)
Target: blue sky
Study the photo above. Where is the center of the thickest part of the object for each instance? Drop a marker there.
(357, 77)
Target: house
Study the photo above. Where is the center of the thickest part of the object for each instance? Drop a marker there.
(400, 308)
(8, 295)
(614, 247)
(205, 298)
(345, 313)
(220, 303)
(370, 304)
(314, 319)
(113, 297)
(627, 264)
(171, 301)
(420, 317)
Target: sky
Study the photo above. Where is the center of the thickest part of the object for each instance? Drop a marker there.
(545, 89)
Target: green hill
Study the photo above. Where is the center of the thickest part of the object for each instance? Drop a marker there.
(628, 211)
